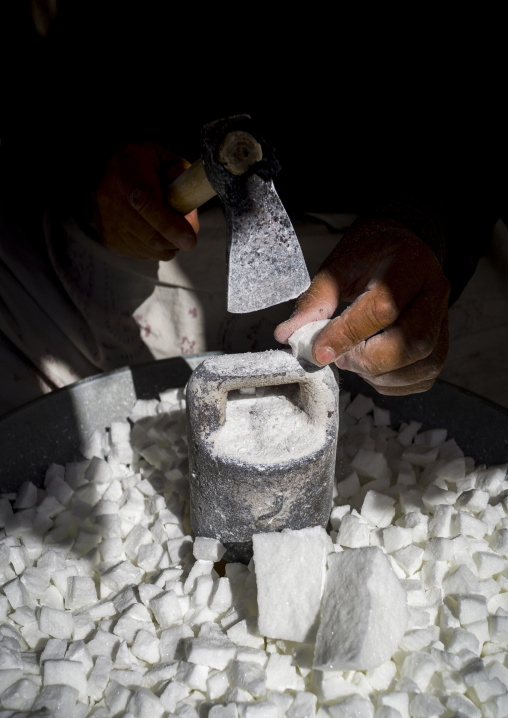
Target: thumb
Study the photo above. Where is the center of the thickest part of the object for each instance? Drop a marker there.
(318, 302)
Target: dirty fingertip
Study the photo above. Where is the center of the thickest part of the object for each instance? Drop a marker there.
(324, 355)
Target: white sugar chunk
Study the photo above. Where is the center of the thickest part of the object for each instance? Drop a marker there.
(288, 606)
(419, 667)
(212, 652)
(397, 537)
(354, 532)
(209, 549)
(360, 406)
(303, 706)
(172, 642)
(302, 341)
(499, 542)
(354, 705)
(378, 509)
(249, 677)
(409, 558)
(371, 464)
(117, 697)
(281, 674)
(200, 568)
(146, 647)
(348, 487)
(145, 703)
(222, 595)
(420, 455)
(364, 613)
(58, 700)
(471, 608)
(26, 496)
(498, 628)
(99, 677)
(223, 711)
(20, 696)
(81, 592)
(59, 624)
(440, 523)
(468, 525)
(98, 471)
(217, 684)
(167, 609)
(65, 673)
(246, 633)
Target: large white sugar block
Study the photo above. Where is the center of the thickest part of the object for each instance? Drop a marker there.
(378, 509)
(249, 677)
(65, 673)
(371, 464)
(59, 624)
(364, 613)
(288, 606)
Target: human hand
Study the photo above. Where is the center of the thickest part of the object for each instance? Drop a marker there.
(395, 332)
(130, 209)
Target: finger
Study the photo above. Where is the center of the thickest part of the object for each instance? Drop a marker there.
(403, 390)
(149, 203)
(420, 373)
(413, 337)
(318, 302)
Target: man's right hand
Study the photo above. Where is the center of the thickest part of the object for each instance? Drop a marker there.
(130, 209)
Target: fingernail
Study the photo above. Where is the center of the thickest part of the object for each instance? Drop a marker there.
(325, 355)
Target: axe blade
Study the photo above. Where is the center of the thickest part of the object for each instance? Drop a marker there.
(265, 261)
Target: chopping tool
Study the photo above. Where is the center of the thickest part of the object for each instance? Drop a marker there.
(265, 261)
(235, 493)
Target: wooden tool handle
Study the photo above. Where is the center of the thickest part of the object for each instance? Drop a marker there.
(239, 151)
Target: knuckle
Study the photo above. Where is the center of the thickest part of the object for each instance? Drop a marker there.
(140, 197)
(384, 311)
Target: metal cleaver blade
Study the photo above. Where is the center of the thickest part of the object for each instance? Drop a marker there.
(266, 265)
